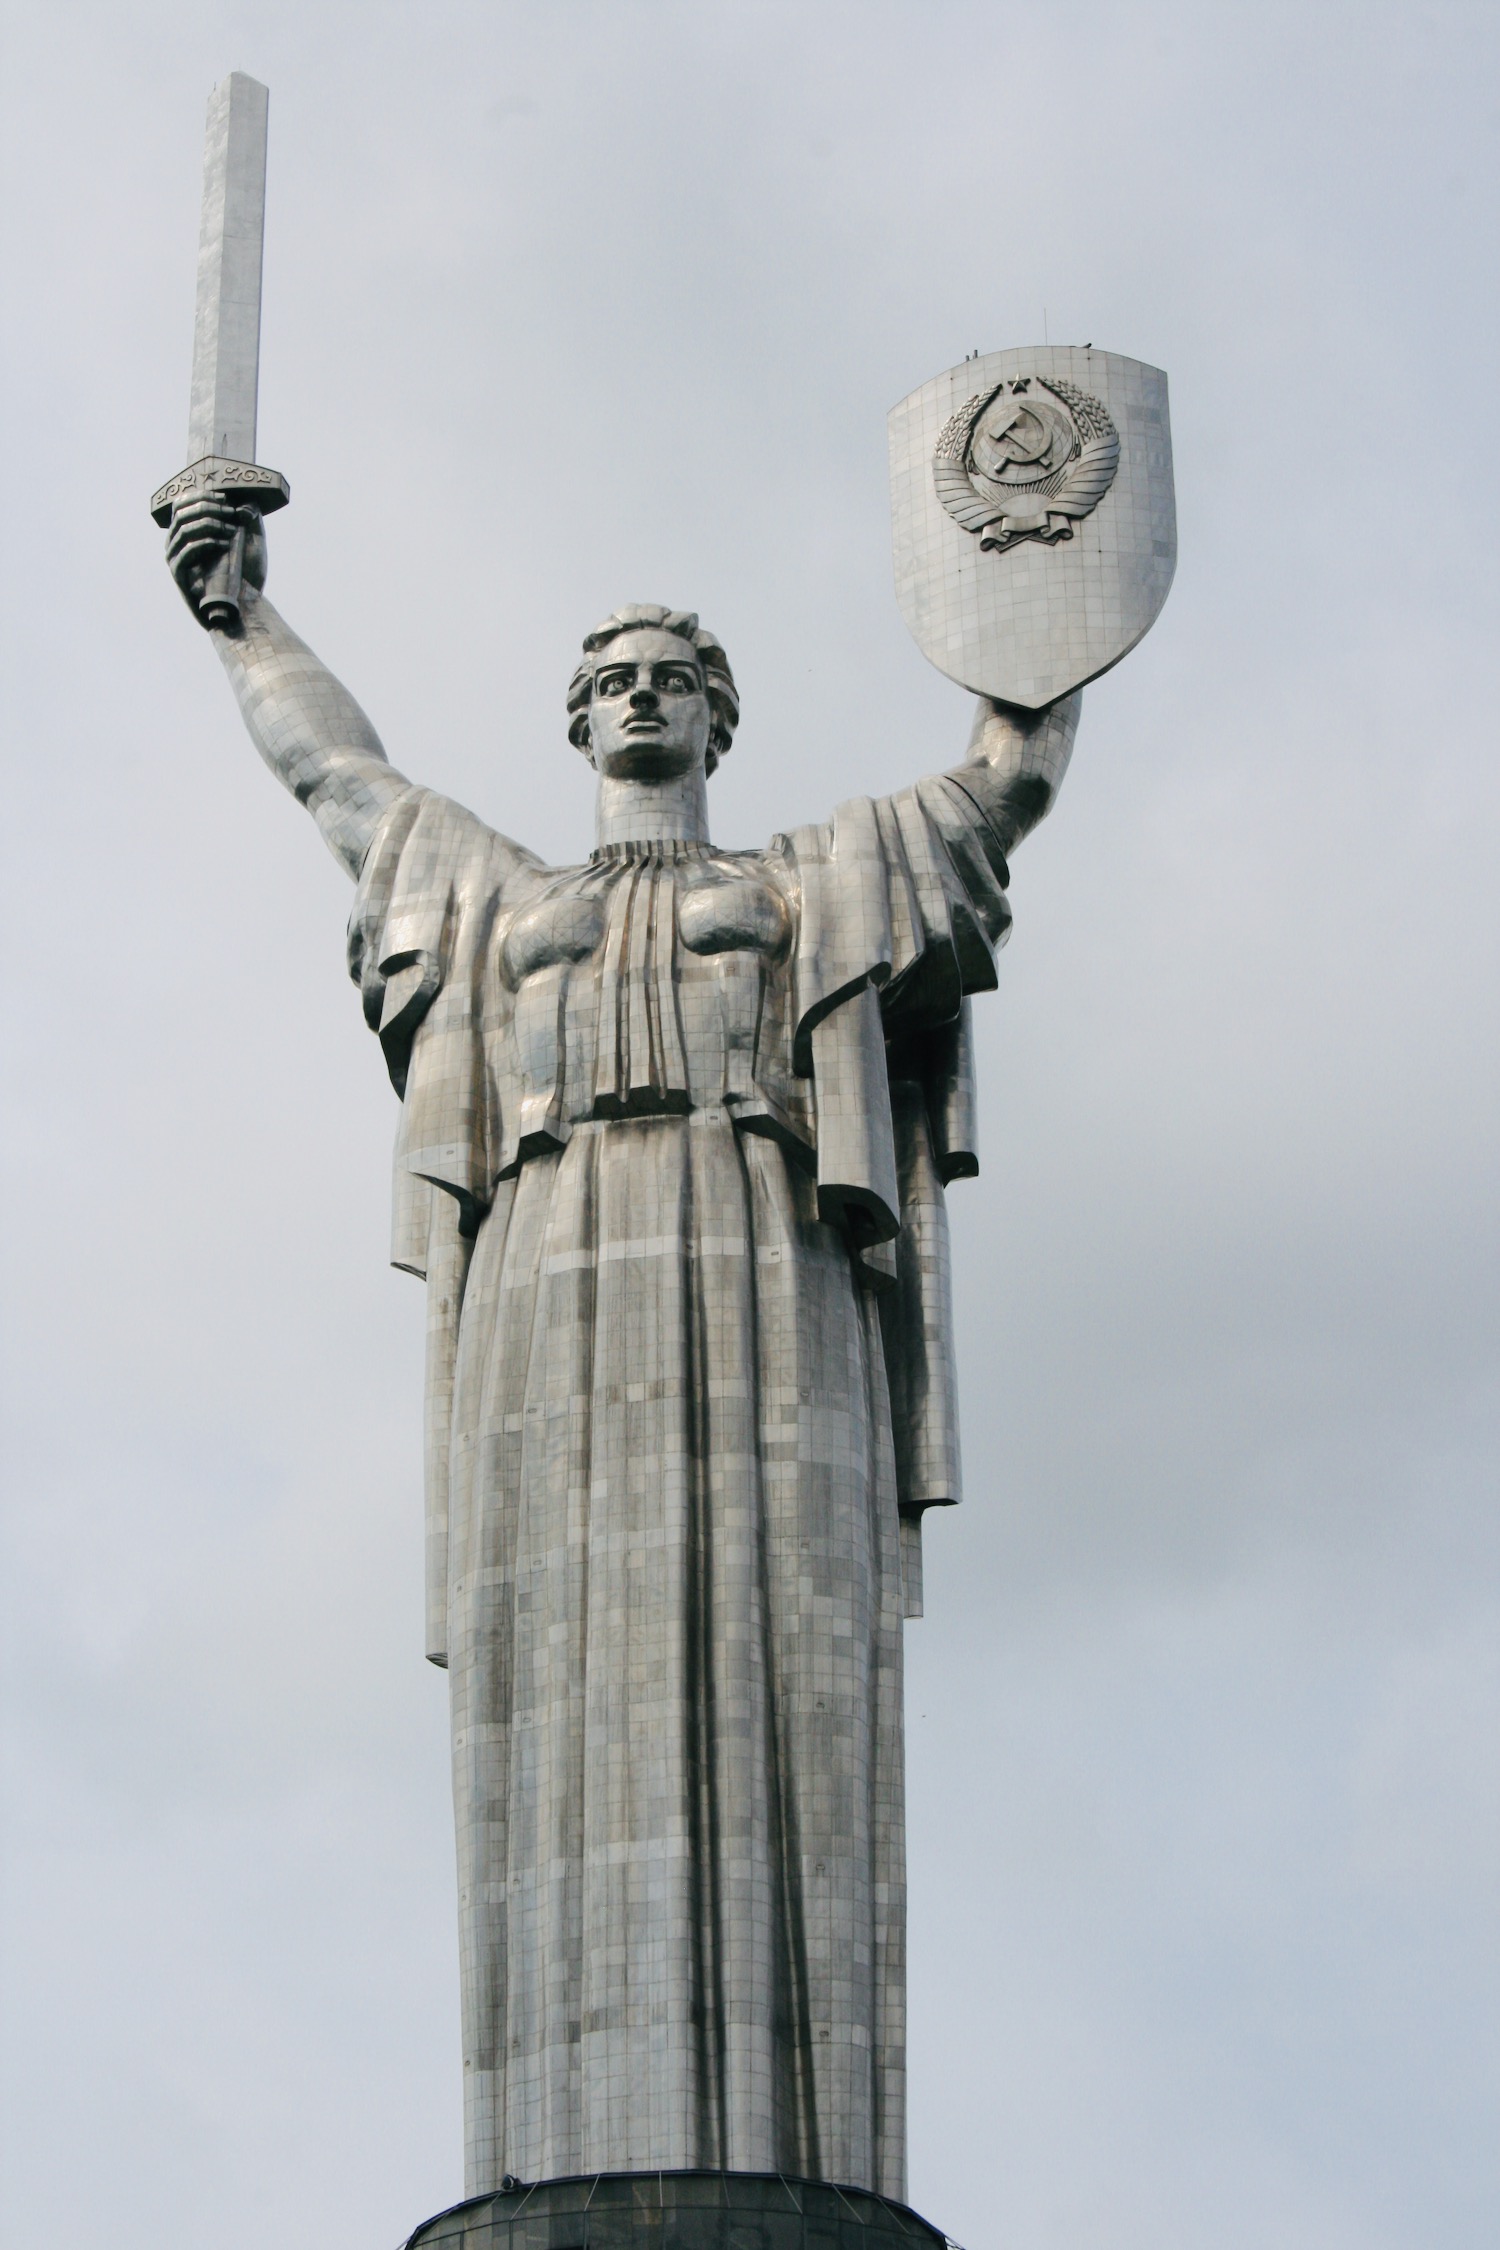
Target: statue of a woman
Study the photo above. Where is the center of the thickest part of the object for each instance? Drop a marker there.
(675, 1128)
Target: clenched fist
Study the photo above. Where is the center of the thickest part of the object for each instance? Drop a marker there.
(201, 533)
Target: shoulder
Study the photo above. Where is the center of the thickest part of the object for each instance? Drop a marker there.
(434, 874)
(433, 839)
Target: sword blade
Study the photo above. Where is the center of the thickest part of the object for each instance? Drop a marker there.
(226, 331)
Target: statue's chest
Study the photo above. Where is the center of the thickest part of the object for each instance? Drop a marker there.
(639, 910)
(646, 982)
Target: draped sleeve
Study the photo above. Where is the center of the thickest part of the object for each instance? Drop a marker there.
(903, 910)
(432, 884)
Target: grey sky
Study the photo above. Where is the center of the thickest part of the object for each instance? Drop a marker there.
(574, 304)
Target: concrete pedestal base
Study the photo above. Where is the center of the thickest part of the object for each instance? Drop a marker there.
(678, 2211)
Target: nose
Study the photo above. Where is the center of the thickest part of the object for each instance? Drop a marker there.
(644, 699)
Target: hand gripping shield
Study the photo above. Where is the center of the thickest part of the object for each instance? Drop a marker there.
(1034, 521)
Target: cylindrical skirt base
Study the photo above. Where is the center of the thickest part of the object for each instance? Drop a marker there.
(678, 2211)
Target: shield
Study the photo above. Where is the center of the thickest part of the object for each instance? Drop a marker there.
(1034, 522)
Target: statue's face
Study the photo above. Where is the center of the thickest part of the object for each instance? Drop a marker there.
(649, 715)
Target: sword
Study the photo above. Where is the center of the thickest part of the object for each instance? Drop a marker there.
(226, 337)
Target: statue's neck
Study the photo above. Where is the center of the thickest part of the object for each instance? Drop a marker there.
(648, 812)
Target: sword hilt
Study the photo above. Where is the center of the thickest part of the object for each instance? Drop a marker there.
(213, 477)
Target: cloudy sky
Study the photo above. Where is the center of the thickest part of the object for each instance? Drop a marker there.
(576, 303)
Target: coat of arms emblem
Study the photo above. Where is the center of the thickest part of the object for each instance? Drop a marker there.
(1024, 459)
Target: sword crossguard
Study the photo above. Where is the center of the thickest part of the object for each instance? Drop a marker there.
(213, 477)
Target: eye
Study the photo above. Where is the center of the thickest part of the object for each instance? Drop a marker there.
(615, 682)
(676, 682)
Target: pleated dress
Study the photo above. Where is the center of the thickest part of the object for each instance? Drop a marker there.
(675, 1130)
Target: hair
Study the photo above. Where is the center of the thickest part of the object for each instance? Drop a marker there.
(636, 617)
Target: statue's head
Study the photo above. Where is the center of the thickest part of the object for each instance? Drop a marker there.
(653, 697)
